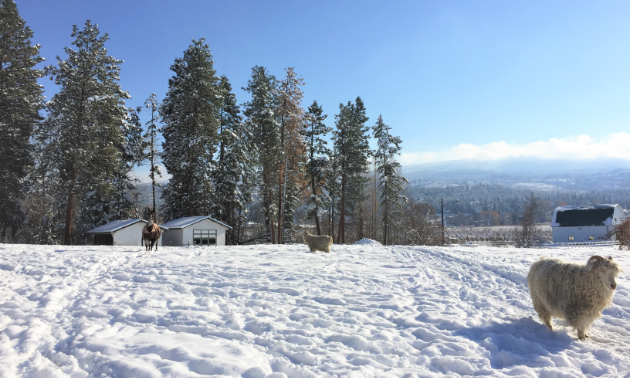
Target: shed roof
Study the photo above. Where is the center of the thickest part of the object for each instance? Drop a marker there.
(598, 215)
(187, 221)
(112, 226)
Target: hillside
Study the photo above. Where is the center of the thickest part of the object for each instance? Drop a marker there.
(280, 311)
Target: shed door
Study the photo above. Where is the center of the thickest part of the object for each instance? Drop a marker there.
(204, 237)
(103, 239)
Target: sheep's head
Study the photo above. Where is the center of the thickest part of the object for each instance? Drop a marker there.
(606, 269)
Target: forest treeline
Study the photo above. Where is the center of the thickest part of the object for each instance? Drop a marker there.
(491, 204)
(67, 164)
(267, 166)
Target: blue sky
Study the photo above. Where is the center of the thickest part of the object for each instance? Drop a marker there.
(455, 79)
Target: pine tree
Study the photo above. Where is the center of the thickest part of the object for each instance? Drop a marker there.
(152, 152)
(233, 150)
(190, 115)
(351, 144)
(133, 155)
(82, 139)
(290, 118)
(261, 120)
(113, 199)
(391, 182)
(20, 101)
(333, 188)
(318, 160)
(248, 183)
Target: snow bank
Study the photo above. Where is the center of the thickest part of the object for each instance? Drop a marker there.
(369, 242)
(275, 311)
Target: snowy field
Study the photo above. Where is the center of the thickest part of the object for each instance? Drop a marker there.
(269, 311)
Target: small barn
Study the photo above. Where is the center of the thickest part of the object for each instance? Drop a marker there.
(196, 231)
(122, 232)
(586, 223)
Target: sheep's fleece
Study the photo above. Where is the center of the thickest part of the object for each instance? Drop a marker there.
(574, 292)
(317, 242)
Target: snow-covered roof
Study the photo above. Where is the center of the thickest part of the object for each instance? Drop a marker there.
(112, 226)
(187, 221)
(583, 216)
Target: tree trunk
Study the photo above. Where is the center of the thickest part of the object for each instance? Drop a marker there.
(153, 180)
(240, 221)
(332, 219)
(67, 235)
(319, 232)
(280, 207)
(386, 223)
(280, 173)
(342, 216)
(153, 183)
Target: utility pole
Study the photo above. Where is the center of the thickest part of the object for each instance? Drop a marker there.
(442, 201)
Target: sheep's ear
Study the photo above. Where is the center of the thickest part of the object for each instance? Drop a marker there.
(592, 262)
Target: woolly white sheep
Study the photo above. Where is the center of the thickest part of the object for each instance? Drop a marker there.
(317, 242)
(576, 293)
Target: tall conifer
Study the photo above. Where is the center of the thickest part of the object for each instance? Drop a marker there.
(291, 152)
(83, 135)
(262, 121)
(233, 158)
(189, 113)
(152, 152)
(20, 101)
(390, 181)
(318, 160)
(351, 145)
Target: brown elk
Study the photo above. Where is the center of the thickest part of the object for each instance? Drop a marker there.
(150, 235)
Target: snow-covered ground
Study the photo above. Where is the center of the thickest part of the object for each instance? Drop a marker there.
(269, 311)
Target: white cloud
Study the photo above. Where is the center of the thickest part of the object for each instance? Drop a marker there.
(615, 145)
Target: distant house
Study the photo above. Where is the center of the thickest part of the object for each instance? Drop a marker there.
(586, 223)
(123, 232)
(199, 231)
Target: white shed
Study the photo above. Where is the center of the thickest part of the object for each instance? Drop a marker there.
(122, 232)
(199, 231)
(586, 223)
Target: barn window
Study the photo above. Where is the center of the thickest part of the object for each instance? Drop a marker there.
(571, 238)
(204, 237)
(591, 237)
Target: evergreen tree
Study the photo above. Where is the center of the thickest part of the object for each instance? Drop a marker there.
(133, 155)
(232, 157)
(152, 152)
(261, 120)
(318, 160)
(190, 115)
(390, 182)
(290, 118)
(351, 144)
(20, 101)
(333, 188)
(248, 183)
(113, 199)
(82, 139)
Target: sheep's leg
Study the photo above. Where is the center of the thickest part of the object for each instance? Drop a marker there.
(582, 334)
(543, 314)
